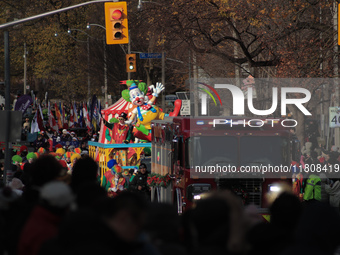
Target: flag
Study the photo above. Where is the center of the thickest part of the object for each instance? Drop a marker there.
(40, 118)
(75, 113)
(51, 119)
(99, 113)
(86, 117)
(94, 112)
(58, 116)
(23, 103)
(71, 121)
(34, 123)
(80, 119)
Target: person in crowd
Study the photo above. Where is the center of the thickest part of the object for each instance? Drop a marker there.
(309, 239)
(41, 142)
(43, 223)
(23, 151)
(113, 181)
(139, 182)
(165, 235)
(65, 136)
(114, 227)
(43, 170)
(333, 189)
(118, 131)
(26, 125)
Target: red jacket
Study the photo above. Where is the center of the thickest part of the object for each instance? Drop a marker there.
(41, 226)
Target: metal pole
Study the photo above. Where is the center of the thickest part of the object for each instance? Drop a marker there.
(163, 80)
(7, 169)
(25, 68)
(105, 75)
(336, 69)
(19, 21)
(129, 52)
(88, 68)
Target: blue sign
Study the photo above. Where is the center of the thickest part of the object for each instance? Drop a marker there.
(150, 55)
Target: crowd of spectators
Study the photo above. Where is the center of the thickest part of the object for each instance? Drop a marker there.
(54, 216)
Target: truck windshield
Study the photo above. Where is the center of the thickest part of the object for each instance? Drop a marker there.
(212, 150)
(265, 150)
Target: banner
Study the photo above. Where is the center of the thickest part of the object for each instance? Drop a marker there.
(23, 103)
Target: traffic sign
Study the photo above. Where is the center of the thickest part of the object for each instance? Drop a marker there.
(334, 117)
(150, 55)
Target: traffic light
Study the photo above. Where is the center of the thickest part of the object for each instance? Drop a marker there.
(131, 63)
(116, 23)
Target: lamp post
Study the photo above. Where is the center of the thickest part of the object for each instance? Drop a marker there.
(25, 68)
(140, 7)
(105, 63)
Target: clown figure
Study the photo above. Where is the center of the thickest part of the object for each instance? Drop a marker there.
(145, 111)
(113, 181)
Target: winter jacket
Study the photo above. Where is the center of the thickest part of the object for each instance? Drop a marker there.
(334, 194)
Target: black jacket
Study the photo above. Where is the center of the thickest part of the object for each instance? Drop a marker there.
(139, 180)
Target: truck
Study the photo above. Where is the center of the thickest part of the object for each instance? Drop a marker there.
(177, 140)
(231, 141)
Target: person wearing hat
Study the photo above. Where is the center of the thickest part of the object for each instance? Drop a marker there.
(65, 136)
(118, 131)
(40, 142)
(23, 153)
(31, 157)
(139, 182)
(113, 181)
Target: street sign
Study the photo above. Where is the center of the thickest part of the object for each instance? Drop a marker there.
(185, 109)
(150, 55)
(334, 117)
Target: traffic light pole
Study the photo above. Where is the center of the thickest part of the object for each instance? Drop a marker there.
(129, 52)
(163, 80)
(7, 70)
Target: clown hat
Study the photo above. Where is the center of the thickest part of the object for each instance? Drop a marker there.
(68, 154)
(41, 150)
(31, 155)
(16, 158)
(60, 151)
(75, 156)
(77, 150)
(111, 163)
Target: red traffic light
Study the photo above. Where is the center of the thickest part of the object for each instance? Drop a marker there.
(116, 14)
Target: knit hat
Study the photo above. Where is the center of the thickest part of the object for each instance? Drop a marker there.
(57, 194)
(16, 158)
(75, 156)
(58, 146)
(77, 150)
(16, 183)
(23, 148)
(71, 148)
(41, 150)
(64, 131)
